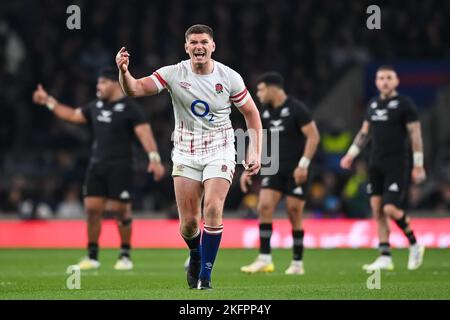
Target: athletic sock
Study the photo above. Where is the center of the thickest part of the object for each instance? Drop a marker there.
(125, 250)
(209, 247)
(265, 233)
(384, 248)
(411, 237)
(403, 225)
(297, 247)
(194, 245)
(93, 250)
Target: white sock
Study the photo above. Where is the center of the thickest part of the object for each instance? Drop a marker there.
(265, 257)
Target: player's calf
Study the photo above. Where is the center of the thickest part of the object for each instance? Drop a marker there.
(402, 221)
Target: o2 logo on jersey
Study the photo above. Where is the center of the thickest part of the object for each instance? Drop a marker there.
(196, 110)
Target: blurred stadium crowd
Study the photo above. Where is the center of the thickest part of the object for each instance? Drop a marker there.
(312, 43)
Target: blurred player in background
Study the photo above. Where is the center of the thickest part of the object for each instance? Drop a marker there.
(114, 119)
(298, 138)
(392, 123)
(202, 92)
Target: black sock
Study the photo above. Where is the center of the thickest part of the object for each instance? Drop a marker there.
(93, 250)
(298, 235)
(384, 248)
(403, 225)
(125, 250)
(411, 237)
(265, 233)
(194, 246)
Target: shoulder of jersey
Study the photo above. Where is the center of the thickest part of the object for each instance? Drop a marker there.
(403, 98)
(293, 102)
(398, 101)
(223, 69)
(130, 102)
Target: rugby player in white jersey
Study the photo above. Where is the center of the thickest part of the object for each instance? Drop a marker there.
(202, 92)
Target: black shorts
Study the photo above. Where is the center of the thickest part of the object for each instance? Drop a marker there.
(284, 182)
(391, 180)
(112, 180)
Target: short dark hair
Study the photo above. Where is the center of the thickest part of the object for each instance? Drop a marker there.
(271, 79)
(386, 67)
(109, 73)
(199, 28)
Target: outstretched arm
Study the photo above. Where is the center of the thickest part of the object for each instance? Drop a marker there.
(359, 143)
(133, 87)
(40, 96)
(415, 134)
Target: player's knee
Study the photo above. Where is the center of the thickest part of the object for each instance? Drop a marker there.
(377, 209)
(390, 210)
(124, 219)
(93, 212)
(189, 227)
(265, 209)
(122, 213)
(93, 217)
(294, 211)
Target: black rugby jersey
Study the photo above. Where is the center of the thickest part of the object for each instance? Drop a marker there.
(112, 125)
(288, 120)
(388, 131)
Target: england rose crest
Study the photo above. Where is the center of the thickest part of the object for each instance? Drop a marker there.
(219, 88)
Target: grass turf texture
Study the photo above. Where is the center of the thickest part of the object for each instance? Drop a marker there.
(159, 274)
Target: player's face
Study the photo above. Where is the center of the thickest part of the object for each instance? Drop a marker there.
(105, 88)
(386, 81)
(200, 47)
(264, 93)
(261, 92)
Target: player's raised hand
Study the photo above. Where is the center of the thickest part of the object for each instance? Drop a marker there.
(300, 175)
(418, 175)
(346, 162)
(245, 181)
(40, 96)
(157, 169)
(123, 60)
(251, 167)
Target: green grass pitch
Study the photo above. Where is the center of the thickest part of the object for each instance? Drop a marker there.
(159, 274)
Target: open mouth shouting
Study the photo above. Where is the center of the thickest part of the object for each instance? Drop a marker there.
(200, 55)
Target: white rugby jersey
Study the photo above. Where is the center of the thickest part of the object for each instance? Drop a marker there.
(202, 105)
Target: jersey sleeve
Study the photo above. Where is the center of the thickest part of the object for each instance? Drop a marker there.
(411, 114)
(163, 77)
(136, 114)
(239, 94)
(302, 115)
(86, 111)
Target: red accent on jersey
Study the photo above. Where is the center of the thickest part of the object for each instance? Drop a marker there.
(236, 96)
(242, 96)
(158, 76)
